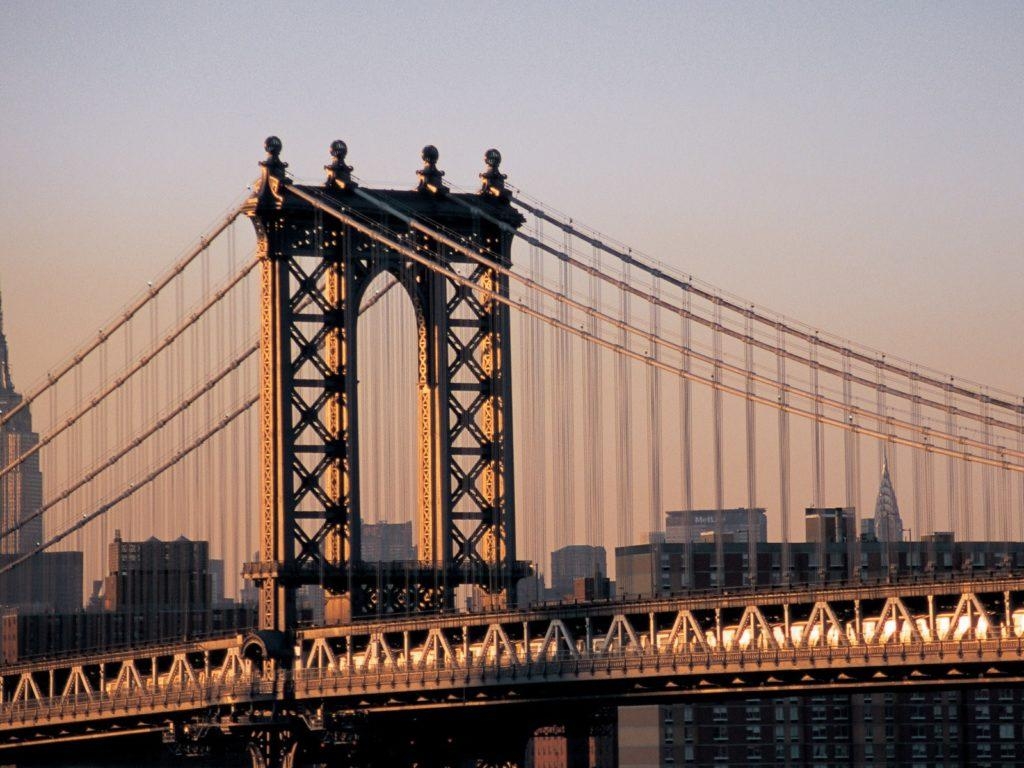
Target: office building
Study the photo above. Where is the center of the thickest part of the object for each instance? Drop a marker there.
(661, 568)
(387, 543)
(163, 587)
(740, 524)
(829, 525)
(576, 561)
(21, 489)
(924, 727)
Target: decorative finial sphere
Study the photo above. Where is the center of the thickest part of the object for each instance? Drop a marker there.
(272, 145)
(339, 149)
(492, 157)
(430, 154)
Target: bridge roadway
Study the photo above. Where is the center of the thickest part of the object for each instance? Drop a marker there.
(963, 631)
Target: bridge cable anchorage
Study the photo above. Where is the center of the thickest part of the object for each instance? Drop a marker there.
(689, 285)
(554, 295)
(134, 487)
(52, 377)
(775, 349)
(124, 376)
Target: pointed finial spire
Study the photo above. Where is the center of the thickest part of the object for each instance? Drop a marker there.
(888, 523)
(493, 179)
(430, 176)
(273, 173)
(338, 174)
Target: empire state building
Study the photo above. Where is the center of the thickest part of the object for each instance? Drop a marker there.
(21, 489)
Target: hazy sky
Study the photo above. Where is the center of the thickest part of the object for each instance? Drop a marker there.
(856, 166)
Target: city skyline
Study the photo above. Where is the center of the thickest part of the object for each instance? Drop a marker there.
(317, 394)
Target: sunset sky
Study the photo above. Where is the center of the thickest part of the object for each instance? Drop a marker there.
(856, 166)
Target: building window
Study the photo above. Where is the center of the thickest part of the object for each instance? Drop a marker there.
(1005, 730)
(720, 715)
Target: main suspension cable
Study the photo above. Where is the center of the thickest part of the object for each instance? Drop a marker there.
(371, 231)
(761, 318)
(748, 338)
(123, 377)
(817, 400)
(134, 487)
(135, 442)
(162, 282)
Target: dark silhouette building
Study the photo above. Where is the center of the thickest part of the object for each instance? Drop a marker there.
(387, 543)
(660, 568)
(164, 588)
(926, 727)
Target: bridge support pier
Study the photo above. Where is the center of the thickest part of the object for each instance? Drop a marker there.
(274, 748)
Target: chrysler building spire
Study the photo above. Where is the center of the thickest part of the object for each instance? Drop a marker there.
(888, 524)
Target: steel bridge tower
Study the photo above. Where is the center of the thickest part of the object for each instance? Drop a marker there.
(315, 271)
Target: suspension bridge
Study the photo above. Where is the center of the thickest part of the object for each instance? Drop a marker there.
(370, 361)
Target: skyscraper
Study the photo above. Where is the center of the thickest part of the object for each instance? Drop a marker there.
(888, 524)
(21, 490)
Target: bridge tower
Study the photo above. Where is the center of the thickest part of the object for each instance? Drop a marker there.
(315, 271)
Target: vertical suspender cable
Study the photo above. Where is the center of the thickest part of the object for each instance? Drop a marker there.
(1020, 478)
(818, 441)
(564, 529)
(884, 455)
(717, 447)
(686, 438)
(917, 473)
(952, 468)
(624, 441)
(817, 455)
(593, 463)
(851, 456)
(538, 452)
(986, 472)
(654, 421)
(783, 456)
(753, 520)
